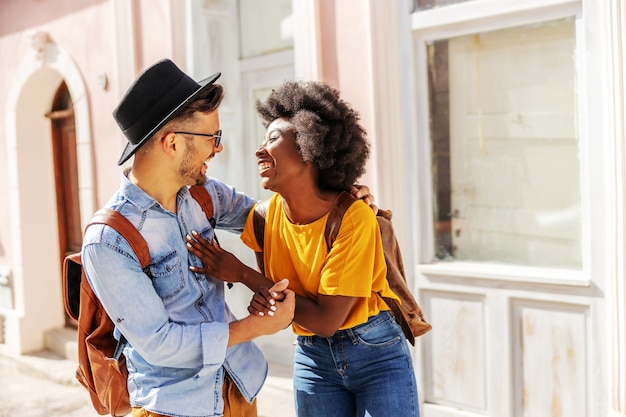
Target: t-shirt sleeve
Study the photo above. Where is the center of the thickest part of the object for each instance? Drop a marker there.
(248, 237)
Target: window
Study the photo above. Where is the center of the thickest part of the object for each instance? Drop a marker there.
(265, 27)
(429, 4)
(505, 152)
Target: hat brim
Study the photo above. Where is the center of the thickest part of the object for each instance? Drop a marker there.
(130, 148)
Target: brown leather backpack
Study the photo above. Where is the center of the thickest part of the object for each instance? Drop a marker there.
(101, 364)
(407, 313)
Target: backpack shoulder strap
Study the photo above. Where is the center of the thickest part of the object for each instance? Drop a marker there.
(201, 195)
(335, 216)
(258, 222)
(137, 243)
(127, 230)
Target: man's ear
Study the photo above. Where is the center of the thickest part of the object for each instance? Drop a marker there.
(169, 143)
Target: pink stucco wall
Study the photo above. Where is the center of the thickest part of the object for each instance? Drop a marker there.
(86, 34)
(346, 60)
(98, 47)
(87, 31)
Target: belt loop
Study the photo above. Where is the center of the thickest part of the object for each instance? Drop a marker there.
(306, 340)
(352, 336)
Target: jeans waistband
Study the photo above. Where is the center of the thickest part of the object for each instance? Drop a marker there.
(351, 332)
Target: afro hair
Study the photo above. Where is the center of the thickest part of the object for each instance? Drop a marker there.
(328, 133)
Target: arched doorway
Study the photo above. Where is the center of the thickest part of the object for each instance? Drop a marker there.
(33, 218)
(63, 135)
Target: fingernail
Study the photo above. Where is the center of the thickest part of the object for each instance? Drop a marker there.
(272, 301)
(189, 245)
(261, 313)
(273, 308)
(270, 313)
(193, 232)
(274, 294)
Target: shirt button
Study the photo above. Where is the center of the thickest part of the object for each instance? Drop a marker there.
(168, 268)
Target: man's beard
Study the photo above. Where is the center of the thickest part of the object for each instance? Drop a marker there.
(201, 180)
(187, 168)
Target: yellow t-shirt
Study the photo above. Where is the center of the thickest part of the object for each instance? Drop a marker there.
(355, 265)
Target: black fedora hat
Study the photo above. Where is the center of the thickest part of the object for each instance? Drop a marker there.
(155, 98)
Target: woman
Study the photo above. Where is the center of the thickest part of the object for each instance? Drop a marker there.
(351, 358)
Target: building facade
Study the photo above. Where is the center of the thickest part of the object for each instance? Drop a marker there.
(498, 138)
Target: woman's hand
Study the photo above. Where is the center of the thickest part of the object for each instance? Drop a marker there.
(284, 309)
(264, 302)
(217, 262)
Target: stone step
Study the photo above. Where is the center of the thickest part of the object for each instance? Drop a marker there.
(48, 365)
(62, 341)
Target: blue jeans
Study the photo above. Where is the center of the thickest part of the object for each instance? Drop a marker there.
(365, 371)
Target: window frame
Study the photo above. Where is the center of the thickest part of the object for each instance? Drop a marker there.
(466, 19)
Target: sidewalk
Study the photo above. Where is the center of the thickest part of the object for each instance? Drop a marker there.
(43, 385)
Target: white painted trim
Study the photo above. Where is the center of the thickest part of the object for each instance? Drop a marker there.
(484, 15)
(59, 60)
(125, 42)
(278, 59)
(392, 104)
(436, 410)
(189, 12)
(614, 16)
(585, 143)
(424, 239)
(307, 40)
(505, 273)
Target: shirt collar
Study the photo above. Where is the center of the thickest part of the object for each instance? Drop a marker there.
(139, 198)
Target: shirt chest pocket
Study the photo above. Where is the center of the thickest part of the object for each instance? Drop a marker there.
(167, 275)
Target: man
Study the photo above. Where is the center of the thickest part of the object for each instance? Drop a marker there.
(186, 353)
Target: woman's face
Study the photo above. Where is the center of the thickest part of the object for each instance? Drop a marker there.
(280, 163)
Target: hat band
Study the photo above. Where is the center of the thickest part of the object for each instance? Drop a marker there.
(162, 110)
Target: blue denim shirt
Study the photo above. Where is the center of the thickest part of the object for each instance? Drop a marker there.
(176, 321)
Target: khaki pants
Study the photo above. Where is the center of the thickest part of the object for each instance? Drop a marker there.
(234, 403)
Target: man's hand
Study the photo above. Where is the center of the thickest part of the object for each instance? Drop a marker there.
(254, 326)
(362, 192)
(280, 312)
(264, 302)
